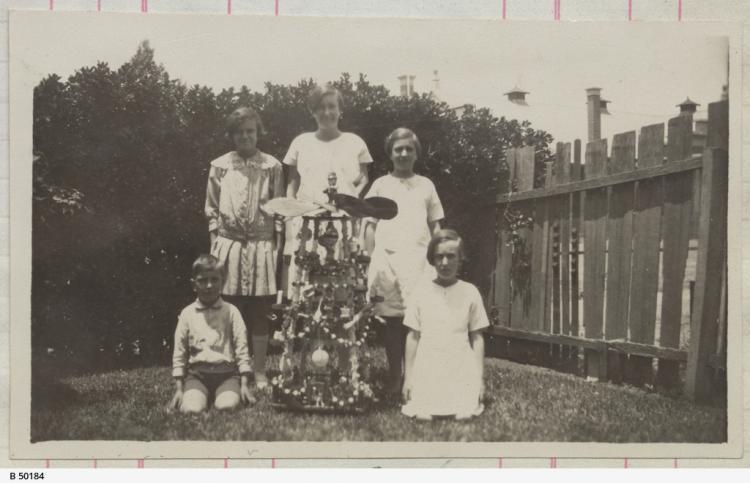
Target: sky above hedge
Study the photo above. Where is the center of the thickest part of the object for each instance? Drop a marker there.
(643, 69)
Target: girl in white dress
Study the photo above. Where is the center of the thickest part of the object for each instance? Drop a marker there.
(313, 157)
(445, 347)
(398, 246)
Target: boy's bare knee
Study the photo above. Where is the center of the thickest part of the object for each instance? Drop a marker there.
(192, 407)
(193, 402)
(227, 400)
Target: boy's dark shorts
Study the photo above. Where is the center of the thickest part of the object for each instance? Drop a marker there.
(211, 382)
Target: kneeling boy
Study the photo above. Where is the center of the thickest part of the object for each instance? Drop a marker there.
(211, 358)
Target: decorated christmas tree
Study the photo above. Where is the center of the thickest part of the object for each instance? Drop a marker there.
(326, 327)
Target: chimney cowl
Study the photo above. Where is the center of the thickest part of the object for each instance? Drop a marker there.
(517, 96)
(688, 106)
(688, 103)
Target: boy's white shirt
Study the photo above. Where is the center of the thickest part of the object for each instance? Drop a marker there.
(210, 335)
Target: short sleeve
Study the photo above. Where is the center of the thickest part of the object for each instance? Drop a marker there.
(374, 189)
(278, 187)
(292, 155)
(412, 318)
(363, 154)
(477, 315)
(434, 206)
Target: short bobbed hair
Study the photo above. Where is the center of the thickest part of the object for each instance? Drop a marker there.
(399, 134)
(239, 116)
(441, 236)
(205, 263)
(317, 93)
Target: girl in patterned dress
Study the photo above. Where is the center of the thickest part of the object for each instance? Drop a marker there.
(243, 237)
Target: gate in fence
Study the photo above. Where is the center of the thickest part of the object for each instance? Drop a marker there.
(618, 264)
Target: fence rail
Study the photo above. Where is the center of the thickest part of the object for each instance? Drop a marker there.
(693, 163)
(599, 264)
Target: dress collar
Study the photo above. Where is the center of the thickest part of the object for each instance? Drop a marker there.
(257, 160)
(407, 183)
(200, 306)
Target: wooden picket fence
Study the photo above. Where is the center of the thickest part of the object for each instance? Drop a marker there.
(598, 280)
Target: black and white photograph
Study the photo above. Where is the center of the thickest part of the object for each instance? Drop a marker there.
(266, 232)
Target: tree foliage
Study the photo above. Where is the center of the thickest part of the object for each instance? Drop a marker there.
(121, 161)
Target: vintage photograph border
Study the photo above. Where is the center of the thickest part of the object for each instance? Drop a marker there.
(23, 35)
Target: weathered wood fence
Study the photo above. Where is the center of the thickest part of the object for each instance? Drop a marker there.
(598, 279)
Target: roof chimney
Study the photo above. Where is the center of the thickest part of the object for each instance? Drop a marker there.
(404, 86)
(687, 107)
(517, 96)
(411, 85)
(593, 96)
(435, 91)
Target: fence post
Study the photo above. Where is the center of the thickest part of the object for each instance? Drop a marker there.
(708, 304)
(709, 269)
(619, 251)
(676, 218)
(646, 241)
(594, 259)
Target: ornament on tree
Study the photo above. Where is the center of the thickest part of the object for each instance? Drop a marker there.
(325, 364)
(320, 358)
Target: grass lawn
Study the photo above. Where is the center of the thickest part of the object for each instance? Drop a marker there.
(527, 404)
